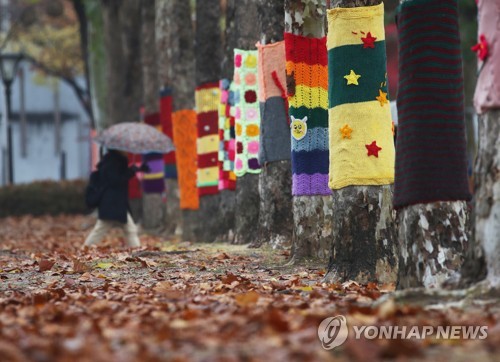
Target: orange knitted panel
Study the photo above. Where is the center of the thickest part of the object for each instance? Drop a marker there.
(309, 75)
(185, 133)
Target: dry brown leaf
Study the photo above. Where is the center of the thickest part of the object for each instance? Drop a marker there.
(45, 264)
(80, 267)
(247, 299)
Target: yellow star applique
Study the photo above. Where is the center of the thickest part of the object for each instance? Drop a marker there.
(346, 131)
(352, 78)
(382, 97)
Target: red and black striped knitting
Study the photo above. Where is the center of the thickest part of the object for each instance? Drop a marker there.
(430, 149)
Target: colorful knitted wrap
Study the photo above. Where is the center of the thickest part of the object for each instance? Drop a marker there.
(207, 98)
(227, 178)
(361, 138)
(246, 112)
(166, 123)
(431, 152)
(487, 95)
(306, 73)
(153, 181)
(275, 129)
(134, 185)
(184, 130)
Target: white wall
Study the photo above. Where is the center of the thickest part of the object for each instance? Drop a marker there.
(41, 161)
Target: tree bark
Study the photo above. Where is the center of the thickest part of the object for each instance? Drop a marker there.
(487, 180)
(364, 232)
(433, 239)
(164, 66)
(275, 180)
(154, 208)
(246, 216)
(312, 215)
(122, 32)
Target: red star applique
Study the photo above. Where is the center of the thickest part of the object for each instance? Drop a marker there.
(373, 149)
(368, 41)
(481, 48)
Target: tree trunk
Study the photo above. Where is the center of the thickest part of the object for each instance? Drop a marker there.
(165, 65)
(122, 33)
(228, 197)
(364, 232)
(175, 46)
(434, 235)
(246, 216)
(487, 171)
(312, 214)
(153, 206)
(275, 180)
(206, 222)
(97, 63)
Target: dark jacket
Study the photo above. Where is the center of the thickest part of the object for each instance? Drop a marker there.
(114, 175)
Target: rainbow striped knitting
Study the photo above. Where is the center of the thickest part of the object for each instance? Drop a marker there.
(207, 106)
(361, 138)
(431, 150)
(246, 112)
(307, 72)
(227, 178)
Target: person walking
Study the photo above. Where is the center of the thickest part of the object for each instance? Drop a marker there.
(113, 207)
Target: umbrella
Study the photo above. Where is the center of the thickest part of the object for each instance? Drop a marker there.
(135, 138)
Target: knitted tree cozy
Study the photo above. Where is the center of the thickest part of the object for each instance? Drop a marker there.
(184, 131)
(227, 178)
(246, 112)
(153, 181)
(275, 130)
(431, 152)
(361, 139)
(166, 124)
(207, 99)
(306, 72)
(487, 93)
(134, 185)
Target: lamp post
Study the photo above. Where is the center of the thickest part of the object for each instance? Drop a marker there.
(9, 62)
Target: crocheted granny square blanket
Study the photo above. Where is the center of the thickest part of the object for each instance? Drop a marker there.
(184, 130)
(166, 124)
(361, 138)
(227, 142)
(431, 150)
(306, 74)
(246, 112)
(275, 130)
(207, 98)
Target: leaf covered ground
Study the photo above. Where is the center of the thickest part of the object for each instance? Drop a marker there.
(176, 301)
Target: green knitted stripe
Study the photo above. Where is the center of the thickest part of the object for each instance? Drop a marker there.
(369, 63)
(316, 117)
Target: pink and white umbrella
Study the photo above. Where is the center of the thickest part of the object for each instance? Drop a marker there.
(135, 138)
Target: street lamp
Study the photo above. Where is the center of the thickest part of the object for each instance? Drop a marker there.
(9, 62)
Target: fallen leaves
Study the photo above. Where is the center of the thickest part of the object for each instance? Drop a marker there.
(198, 302)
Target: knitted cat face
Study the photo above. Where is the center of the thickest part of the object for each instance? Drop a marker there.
(299, 127)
